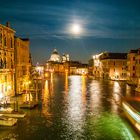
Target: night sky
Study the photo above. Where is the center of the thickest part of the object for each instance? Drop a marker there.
(107, 25)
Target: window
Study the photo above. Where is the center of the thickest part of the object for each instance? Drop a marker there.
(5, 42)
(1, 63)
(12, 64)
(11, 42)
(4, 64)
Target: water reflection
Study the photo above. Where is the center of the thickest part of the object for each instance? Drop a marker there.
(116, 97)
(47, 101)
(84, 88)
(75, 108)
(45, 98)
(95, 93)
(66, 82)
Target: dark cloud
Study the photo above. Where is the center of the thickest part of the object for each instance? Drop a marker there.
(114, 20)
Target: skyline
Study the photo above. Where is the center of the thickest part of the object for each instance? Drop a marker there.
(106, 26)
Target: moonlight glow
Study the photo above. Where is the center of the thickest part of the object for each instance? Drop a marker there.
(76, 29)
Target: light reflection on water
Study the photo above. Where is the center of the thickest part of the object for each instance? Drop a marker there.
(75, 108)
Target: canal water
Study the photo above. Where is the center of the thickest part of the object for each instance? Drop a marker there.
(75, 108)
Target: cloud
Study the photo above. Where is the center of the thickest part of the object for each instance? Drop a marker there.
(99, 19)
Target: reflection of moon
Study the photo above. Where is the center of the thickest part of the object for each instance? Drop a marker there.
(76, 29)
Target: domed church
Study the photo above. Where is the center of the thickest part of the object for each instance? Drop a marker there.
(55, 57)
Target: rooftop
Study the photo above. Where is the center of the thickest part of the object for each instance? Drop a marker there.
(109, 55)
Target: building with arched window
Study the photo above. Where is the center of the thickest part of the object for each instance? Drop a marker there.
(6, 61)
(56, 62)
(55, 57)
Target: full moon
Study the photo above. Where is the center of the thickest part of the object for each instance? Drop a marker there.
(76, 29)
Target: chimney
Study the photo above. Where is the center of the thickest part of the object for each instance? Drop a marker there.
(8, 24)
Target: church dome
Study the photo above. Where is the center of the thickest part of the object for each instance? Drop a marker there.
(55, 56)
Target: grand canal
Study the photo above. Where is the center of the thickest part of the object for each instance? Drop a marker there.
(75, 108)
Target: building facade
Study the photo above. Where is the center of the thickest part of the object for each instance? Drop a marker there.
(23, 64)
(57, 63)
(110, 66)
(7, 68)
(138, 68)
(133, 67)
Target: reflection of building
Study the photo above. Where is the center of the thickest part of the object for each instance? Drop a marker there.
(110, 65)
(6, 60)
(133, 66)
(23, 63)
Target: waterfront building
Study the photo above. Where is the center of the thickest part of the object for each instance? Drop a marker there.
(97, 65)
(133, 67)
(22, 63)
(90, 66)
(57, 63)
(132, 57)
(7, 68)
(65, 58)
(55, 57)
(138, 68)
(82, 70)
(110, 66)
(75, 67)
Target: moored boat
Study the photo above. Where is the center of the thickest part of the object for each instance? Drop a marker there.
(6, 121)
(15, 114)
(6, 110)
(29, 105)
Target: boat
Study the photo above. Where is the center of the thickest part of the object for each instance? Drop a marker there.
(15, 114)
(6, 110)
(29, 105)
(6, 121)
(132, 112)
